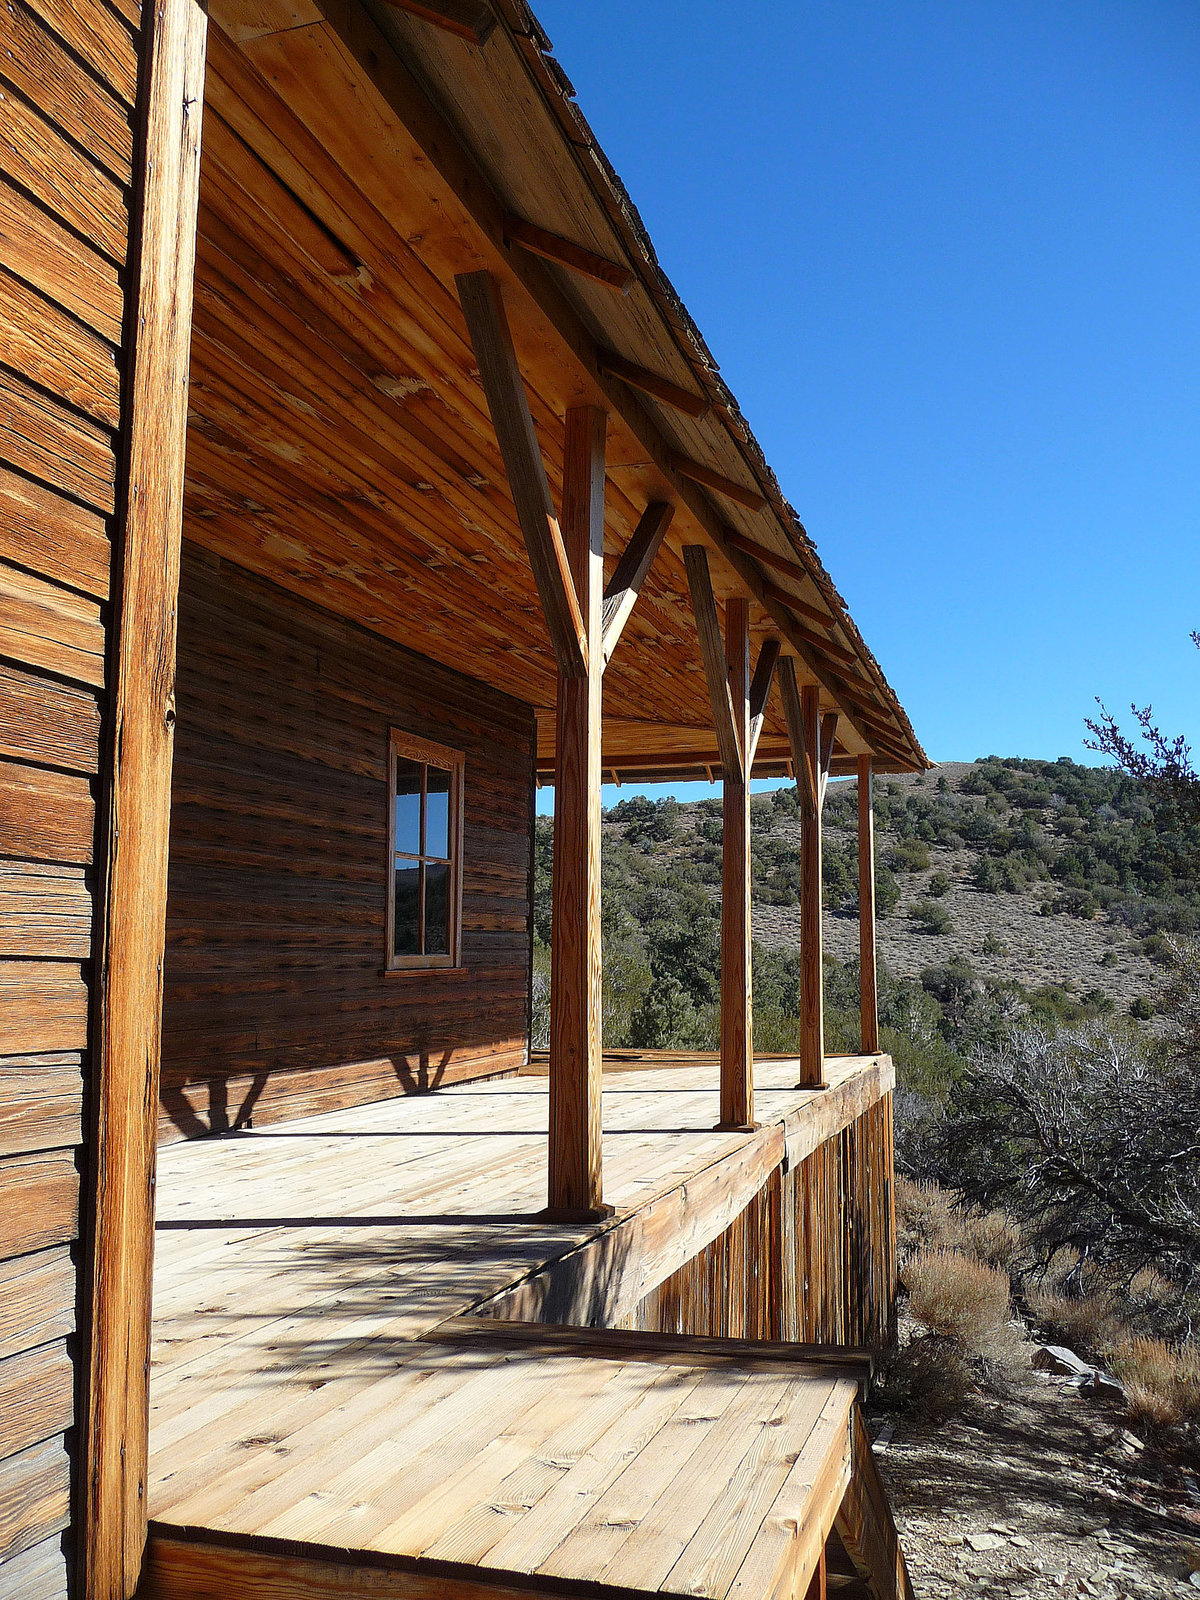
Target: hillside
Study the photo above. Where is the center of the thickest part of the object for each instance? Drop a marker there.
(1003, 886)
(1045, 875)
(1003, 932)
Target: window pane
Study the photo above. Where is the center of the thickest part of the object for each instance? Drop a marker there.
(437, 812)
(407, 936)
(408, 806)
(437, 909)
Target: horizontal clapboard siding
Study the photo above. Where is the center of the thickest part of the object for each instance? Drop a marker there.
(68, 78)
(276, 1001)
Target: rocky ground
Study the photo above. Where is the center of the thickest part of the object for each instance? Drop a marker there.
(1037, 1496)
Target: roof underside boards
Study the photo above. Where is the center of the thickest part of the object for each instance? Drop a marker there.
(340, 442)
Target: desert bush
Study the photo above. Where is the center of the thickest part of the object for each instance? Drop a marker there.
(1089, 1139)
(985, 875)
(887, 891)
(1076, 903)
(1087, 1323)
(908, 855)
(932, 1219)
(958, 1297)
(929, 1377)
(1161, 1380)
(930, 917)
(926, 1217)
(938, 885)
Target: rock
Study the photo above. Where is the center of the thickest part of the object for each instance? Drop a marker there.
(1057, 1358)
(984, 1541)
(1021, 1542)
(1099, 1385)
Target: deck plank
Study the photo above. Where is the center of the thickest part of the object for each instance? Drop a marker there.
(301, 1391)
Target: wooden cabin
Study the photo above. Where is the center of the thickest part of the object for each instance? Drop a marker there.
(353, 449)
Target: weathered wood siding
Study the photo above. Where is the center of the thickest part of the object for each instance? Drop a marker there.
(811, 1258)
(68, 81)
(276, 1003)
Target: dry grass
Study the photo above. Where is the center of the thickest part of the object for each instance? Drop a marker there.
(959, 1266)
(1161, 1380)
(961, 1298)
(930, 1218)
(1086, 1322)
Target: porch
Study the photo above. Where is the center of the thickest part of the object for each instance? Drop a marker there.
(349, 1376)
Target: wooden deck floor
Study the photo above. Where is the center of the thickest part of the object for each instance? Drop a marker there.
(303, 1271)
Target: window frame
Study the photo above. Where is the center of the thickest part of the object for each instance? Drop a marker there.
(409, 747)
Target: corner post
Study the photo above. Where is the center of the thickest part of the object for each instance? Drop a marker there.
(737, 1047)
(868, 978)
(812, 1001)
(133, 878)
(575, 1178)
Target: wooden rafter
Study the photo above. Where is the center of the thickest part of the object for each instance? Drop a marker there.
(671, 394)
(469, 19)
(760, 694)
(631, 570)
(699, 473)
(509, 406)
(788, 566)
(803, 755)
(815, 641)
(801, 608)
(553, 247)
(712, 656)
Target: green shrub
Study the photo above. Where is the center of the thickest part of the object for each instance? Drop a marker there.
(1141, 1009)
(931, 918)
(908, 855)
(938, 885)
(985, 875)
(887, 891)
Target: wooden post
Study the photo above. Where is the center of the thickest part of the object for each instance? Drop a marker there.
(868, 979)
(575, 1181)
(737, 1043)
(811, 737)
(133, 884)
(812, 984)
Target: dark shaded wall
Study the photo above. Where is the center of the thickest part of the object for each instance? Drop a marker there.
(277, 1002)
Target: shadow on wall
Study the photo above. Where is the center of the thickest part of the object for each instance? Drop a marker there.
(225, 1104)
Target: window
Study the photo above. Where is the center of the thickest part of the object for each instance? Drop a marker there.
(425, 789)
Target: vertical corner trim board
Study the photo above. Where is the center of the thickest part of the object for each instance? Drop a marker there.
(135, 830)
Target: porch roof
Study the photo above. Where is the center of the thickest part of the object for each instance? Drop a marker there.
(356, 159)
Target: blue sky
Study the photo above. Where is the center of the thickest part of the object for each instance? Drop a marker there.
(947, 254)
